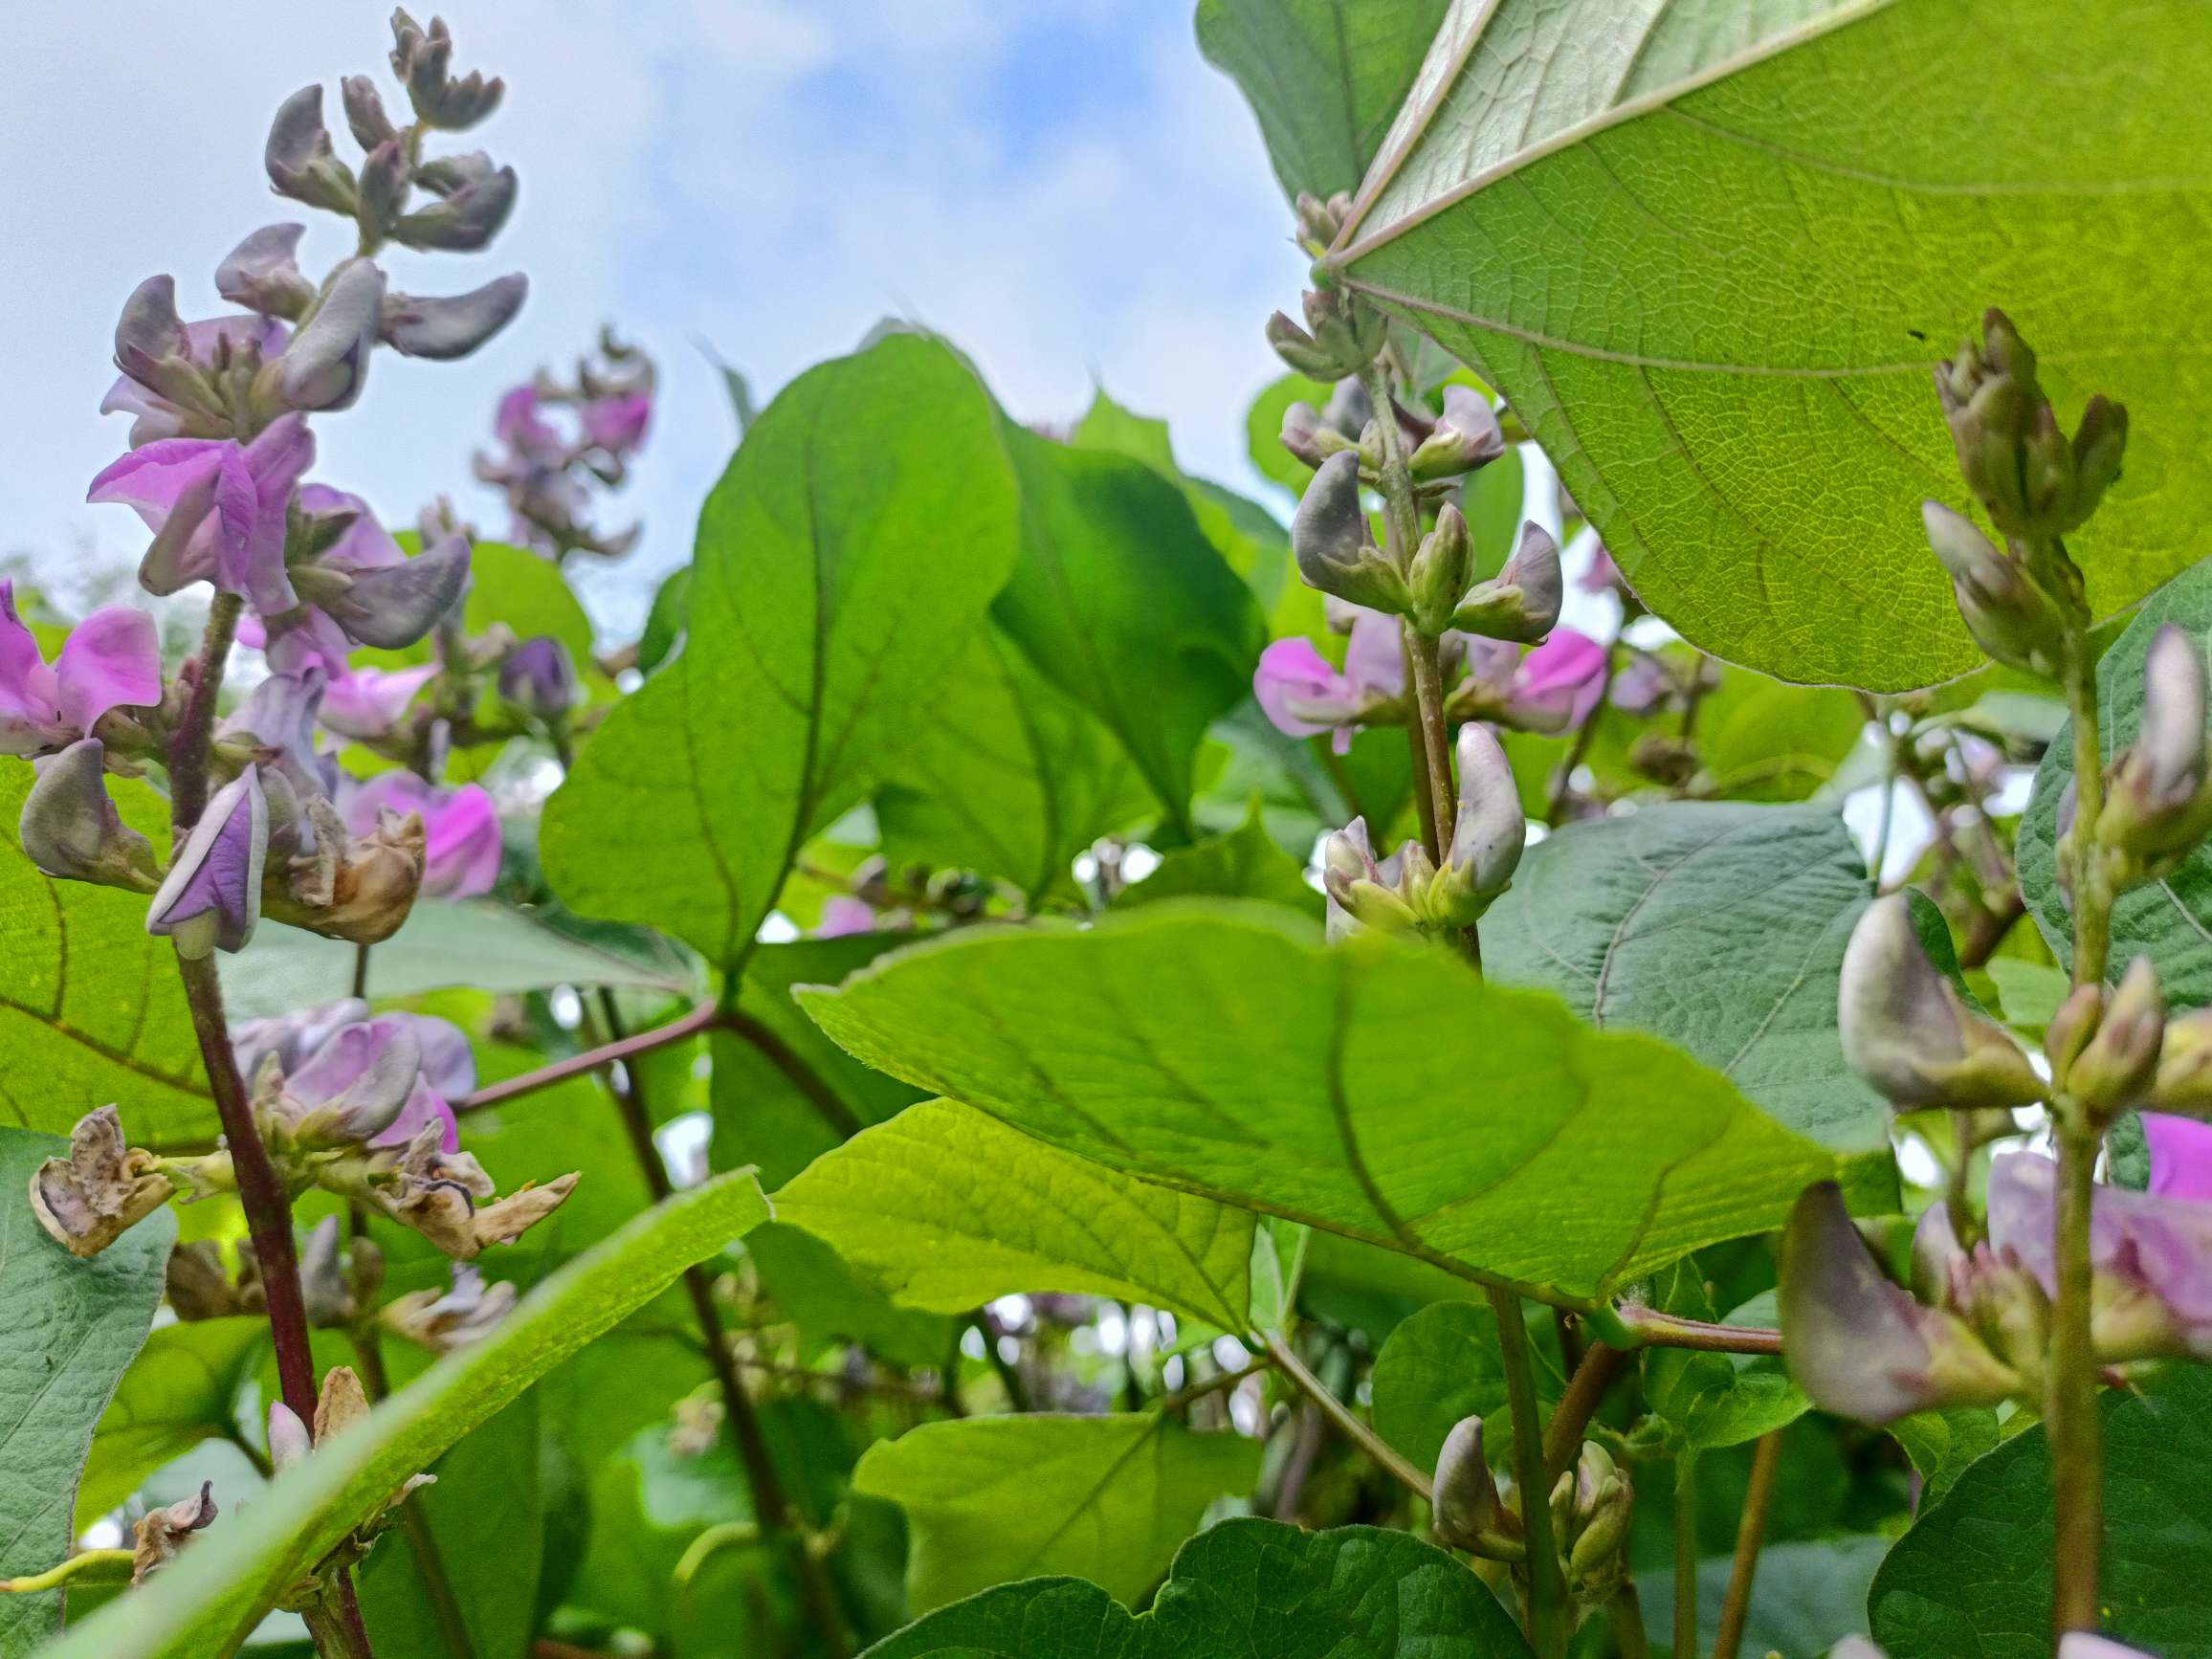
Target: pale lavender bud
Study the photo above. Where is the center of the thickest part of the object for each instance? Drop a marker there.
(1309, 438)
(1467, 1505)
(149, 330)
(1329, 538)
(365, 114)
(2010, 616)
(105, 1186)
(164, 1532)
(1523, 601)
(1466, 436)
(299, 156)
(211, 896)
(1361, 892)
(2160, 802)
(262, 274)
(442, 329)
(1442, 567)
(463, 221)
(538, 678)
(70, 828)
(443, 175)
(385, 178)
(1488, 833)
(1299, 349)
(388, 606)
(288, 1442)
(1858, 1345)
(327, 361)
(422, 58)
(2118, 1066)
(1906, 1030)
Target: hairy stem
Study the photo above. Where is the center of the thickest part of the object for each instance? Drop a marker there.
(1750, 1533)
(1347, 1420)
(420, 1541)
(1550, 1617)
(1422, 659)
(1686, 1555)
(779, 1516)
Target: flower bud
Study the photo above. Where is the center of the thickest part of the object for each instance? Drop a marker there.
(422, 59)
(211, 896)
(2117, 1068)
(1523, 601)
(538, 678)
(1299, 349)
(1361, 892)
(1859, 1346)
(288, 1442)
(324, 1285)
(2184, 1079)
(150, 332)
(443, 1322)
(463, 221)
(365, 114)
(1466, 436)
(385, 178)
(70, 829)
(443, 175)
(2099, 443)
(1597, 1525)
(388, 606)
(2009, 617)
(1330, 540)
(444, 330)
(301, 162)
(1319, 221)
(1467, 1509)
(327, 361)
(1487, 836)
(1442, 569)
(2159, 800)
(161, 1532)
(1309, 438)
(340, 1404)
(103, 1188)
(1908, 1032)
(262, 274)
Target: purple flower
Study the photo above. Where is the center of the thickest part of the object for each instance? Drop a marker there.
(538, 678)
(367, 703)
(111, 660)
(519, 426)
(384, 1080)
(211, 896)
(327, 361)
(201, 344)
(1550, 689)
(291, 1037)
(1602, 575)
(843, 915)
(216, 508)
(2180, 1155)
(1302, 694)
(617, 423)
(1642, 685)
(462, 842)
(279, 716)
(361, 589)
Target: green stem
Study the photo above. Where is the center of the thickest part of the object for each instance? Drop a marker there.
(1749, 1534)
(1427, 676)
(1686, 1555)
(1550, 1617)
(1385, 1454)
(94, 1566)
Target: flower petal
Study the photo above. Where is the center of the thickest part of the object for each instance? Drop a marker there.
(111, 660)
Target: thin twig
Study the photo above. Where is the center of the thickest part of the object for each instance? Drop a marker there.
(1215, 1384)
(825, 1099)
(1648, 1328)
(1386, 1455)
(701, 1018)
(1749, 1534)
(1586, 1391)
(1550, 1616)
(1686, 1555)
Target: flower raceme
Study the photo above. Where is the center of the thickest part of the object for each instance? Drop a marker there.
(1408, 890)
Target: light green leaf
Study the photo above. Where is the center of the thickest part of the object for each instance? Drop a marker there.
(1246, 1586)
(1777, 218)
(1943, 1444)
(866, 521)
(1245, 863)
(91, 1010)
(831, 1300)
(1719, 926)
(1384, 1093)
(1009, 775)
(1713, 1400)
(182, 1390)
(1106, 1499)
(1438, 1366)
(1120, 599)
(665, 622)
(2030, 991)
(72, 1327)
(946, 1208)
(2170, 920)
(1762, 740)
(240, 1567)
(1324, 76)
(444, 943)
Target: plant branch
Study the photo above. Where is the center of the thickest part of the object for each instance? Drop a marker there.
(1686, 1555)
(1217, 1383)
(1627, 1609)
(1385, 1454)
(1550, 1616)
(802, 1076)
(1586, 1391)
(1636, 1326)
(189, 743)
(702, 1018)
(1750, 1533)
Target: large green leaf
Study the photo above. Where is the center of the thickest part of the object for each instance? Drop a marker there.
(183, 1388)
(1384, 1092)
(2170, 920)
(1710, 253)
(1120, 599)
(1719, 926)
(1106, 1499)
(1972, 1578)
(241, 1566)
(947, 1208)
(1324, 76)
(1438, 1366)
(864, 525)
(72, 1327)
(1944, 1444)
(92, 1012)
(1243, 1588)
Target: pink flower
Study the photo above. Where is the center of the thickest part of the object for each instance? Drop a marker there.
(462, 843)
(519, 426)
(1302, 694)
(617, 424)
(111, 660)
(366, 704)
(211, 896)
(156, 417)
(843, 915)
(2180, 1155)
(216, 508)
(1551, 688)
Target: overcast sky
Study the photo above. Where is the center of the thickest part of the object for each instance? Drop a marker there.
(1063, 186)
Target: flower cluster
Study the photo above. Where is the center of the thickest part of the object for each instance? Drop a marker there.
(549, 473)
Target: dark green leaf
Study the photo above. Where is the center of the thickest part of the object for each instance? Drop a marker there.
(1942, 1444)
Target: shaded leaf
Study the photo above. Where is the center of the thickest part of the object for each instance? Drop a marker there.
(182, 1390)
(1942, 1444)
(1245, 863)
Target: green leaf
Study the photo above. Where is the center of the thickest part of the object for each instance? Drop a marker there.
(1742, 406)
(832, 1300)
(243, 1565)
(1719, 926)
(1107, 1498)
(1943, 1444)
(866, 521)
(2170, 920)
(71, 1328)
(1713, 1400)
(1245, 863)
(1438, 1366)
(1762, 740)
(1009, 775)
(1384, 1093)
(2030, 991)
(444, 943)
(182, 1390)
(665, 622)
(1120, 599)
(1324, 76)
(1805, 1598)
(1264, 429)
(1972, 1578)
(1246, 1586)
(946, 1208)
(90, 1008)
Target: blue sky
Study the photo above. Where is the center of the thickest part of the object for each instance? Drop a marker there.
(1064, 187)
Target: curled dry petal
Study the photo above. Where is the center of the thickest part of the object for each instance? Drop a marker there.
(100, 1190)
(342, 1403)
(163, 1532)
(443, 1322)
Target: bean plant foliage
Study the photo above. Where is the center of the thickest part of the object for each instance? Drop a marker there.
(1578, 1028)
